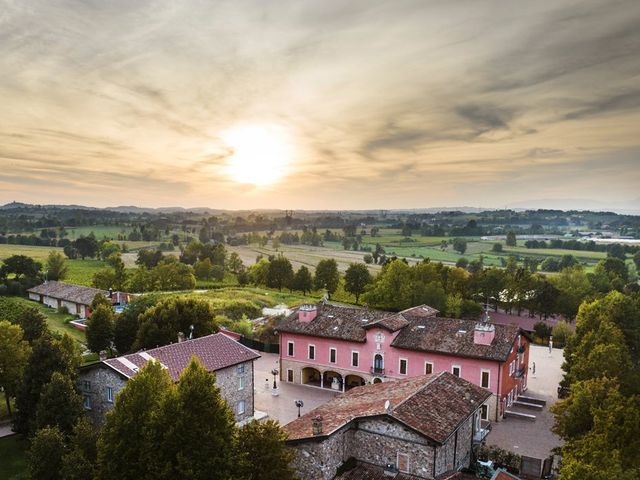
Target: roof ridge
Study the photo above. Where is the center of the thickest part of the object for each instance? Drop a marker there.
(431, 379)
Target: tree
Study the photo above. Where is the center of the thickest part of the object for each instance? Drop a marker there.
(59, 404)
(124, 442)
(100, 328)
(33, 324)
(56, 266)
(511, 239)
(615, 250)
(368, 258)
(149, 258)
(497, 247)
(86, 247)
(14, 355)
(160, 324)
(21, 266)
(574, 287)
(172, 275)
(79, 461)
(202, 269)
(193, 434)
(356, 279)
(280, 273)
(48, 355)
(234, 263)
(302, 280)
(45, 455)
(114, 276)
(264, 453)
(108, 248)
(126, 324)
(327, 275)
(460, 245)
(636, 259)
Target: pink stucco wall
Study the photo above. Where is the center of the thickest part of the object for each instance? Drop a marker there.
(470, 368)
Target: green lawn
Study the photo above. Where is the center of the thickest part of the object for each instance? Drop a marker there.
(13, 458)
(58, 322)
(100, 231)
(37, 253)
(81, 271)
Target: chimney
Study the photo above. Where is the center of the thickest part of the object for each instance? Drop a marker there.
(306, 313)
(484, 333)
(102, 355)
(180, 337)
(317, 425)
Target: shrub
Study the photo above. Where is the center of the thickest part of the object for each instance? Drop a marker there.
(542, 330)
(561, 333)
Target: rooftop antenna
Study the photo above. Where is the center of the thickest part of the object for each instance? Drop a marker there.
(190, 332)
(486, 318)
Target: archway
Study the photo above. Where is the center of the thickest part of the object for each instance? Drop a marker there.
(377, 380)
(352, 381)
(378, 364)
(311, 376)
(333, 380)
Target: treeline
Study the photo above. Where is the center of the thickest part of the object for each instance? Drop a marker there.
(616, 249)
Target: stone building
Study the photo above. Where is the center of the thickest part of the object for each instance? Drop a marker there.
(231, 362)
(339, 347)
(421, 426)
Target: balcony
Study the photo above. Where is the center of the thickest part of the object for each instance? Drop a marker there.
(521, 349)
(377, 371)
(520, 372)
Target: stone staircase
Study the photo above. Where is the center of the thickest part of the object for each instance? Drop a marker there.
(523, 406)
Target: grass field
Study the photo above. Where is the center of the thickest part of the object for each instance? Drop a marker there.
(37, 253)
(58, 322)
(13, 458)
(100, 231)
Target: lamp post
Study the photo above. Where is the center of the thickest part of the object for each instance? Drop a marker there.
(299, 404)
(274, 372)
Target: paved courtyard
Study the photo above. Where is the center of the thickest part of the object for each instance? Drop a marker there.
(282, 407)
(534, 439)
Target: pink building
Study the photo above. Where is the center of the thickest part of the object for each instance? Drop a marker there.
(330, 346)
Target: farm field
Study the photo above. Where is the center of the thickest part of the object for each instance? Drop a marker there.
(56, 321)
(37, 253)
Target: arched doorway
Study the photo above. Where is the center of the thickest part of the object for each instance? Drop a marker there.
(377, 380)
(333, 380)
(311, 376)
(352, 381)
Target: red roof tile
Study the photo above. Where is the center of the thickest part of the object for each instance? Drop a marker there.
(432, 405)
(215, 352)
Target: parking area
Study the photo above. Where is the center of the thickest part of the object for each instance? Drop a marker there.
(282, 407)
(534, 438)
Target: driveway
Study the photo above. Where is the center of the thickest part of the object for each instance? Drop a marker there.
(534, 439)
(282, 407)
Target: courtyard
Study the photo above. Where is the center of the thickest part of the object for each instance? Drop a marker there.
(533, 438)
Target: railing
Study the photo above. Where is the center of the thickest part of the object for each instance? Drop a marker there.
(521, 349)
(377, 371)
(520, 372)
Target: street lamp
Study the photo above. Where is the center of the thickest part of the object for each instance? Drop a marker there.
(299, 404)
(274, 372)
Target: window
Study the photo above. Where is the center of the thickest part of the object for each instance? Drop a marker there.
(403, 366)
(241, 383)
(511, 367)
(403, 462)
(86, 385)
(455, 369)
(289, 375)
(428, 368)
(240, 369)
(484, 412)
(241, 407)
(312, 352)
(484, 378)
(332, 355)
(86, 402)
(290, 349)
(110, 394)
(355, 359)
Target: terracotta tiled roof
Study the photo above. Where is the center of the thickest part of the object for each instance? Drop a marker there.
(504, 475)
(432, 405)
(455, 337)
(215, 352)
(350, 323)
(67, 291)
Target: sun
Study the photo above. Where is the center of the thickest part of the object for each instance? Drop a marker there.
(261, 153)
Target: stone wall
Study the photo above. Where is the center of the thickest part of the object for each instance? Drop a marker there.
(379, 441)
(319, 460)
(458, 449)
(227, 379)
(99, 379)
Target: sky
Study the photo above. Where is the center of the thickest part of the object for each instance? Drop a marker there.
(321, 104)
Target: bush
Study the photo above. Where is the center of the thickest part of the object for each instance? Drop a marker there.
(63, 310)
(542, 330)
(561, 333)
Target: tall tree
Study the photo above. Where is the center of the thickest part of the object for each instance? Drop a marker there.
(59, 404)
(193, 434)
(356, 279)
(21, 266)
(45, 455)
(124, 440)
(327, 275)
(86, 247)
(100, 328)
(56, 266)
(80, 459)
(303, 280)
(460, 245)
(264, 455)
(280, 273)
(14, 355)
(511, 239)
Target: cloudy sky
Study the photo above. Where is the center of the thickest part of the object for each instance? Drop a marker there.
(320, 104)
